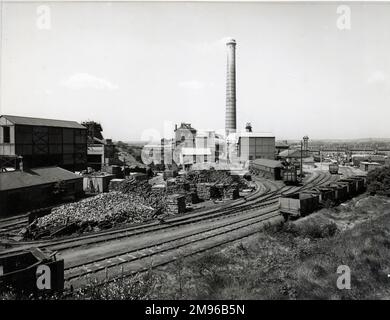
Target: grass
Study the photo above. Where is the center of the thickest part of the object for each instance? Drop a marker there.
(298, 260)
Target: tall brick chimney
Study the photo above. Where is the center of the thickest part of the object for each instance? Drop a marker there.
(230, 116)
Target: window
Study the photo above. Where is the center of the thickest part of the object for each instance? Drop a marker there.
(6, 135)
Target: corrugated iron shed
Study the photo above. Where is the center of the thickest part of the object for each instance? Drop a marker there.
(38, 176)
(43, 122)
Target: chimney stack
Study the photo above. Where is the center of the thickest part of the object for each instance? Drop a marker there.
(230, 120)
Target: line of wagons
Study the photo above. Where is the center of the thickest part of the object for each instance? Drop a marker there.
(293, 206)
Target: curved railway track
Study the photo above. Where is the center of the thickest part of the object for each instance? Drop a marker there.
(130, 260)
(206, 229)
(253, 201)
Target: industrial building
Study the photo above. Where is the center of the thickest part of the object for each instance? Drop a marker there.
(21, 191)
(254, 145)
(185, 135)
(190, 156)
(368, 166)
(100, 151)
(44, 142)
(271, 169)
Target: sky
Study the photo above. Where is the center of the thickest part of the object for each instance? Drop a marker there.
(139, 68)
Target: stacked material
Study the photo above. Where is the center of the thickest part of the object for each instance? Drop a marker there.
(159, 189)
(231, 192)
(143, 190)
(206, 191)
(176, 204)
(132, 202)
(169, 174)
(217, 177)
(115, 184)
(103, 209)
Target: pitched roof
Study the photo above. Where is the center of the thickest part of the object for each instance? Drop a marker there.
(290, 153)
(34, 177)
(43, 122)
(268, 163)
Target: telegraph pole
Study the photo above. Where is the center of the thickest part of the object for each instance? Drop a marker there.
(301, 160)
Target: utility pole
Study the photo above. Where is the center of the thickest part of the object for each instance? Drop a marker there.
(301, 160)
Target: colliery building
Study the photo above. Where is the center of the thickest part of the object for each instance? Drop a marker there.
(253, 145)
(22, 191)
(44, 142)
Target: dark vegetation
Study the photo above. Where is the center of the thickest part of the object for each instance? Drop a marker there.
(378, 181)
(134, 151)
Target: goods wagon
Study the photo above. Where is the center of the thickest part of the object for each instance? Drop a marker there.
(360, 184)
(351, 186)
(290, 176)
(298, 204)
(364, 177)
(324, 193)
(341, 191)
(334, 168)
(31, 272)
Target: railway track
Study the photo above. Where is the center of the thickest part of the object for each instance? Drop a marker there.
(217, 226)
(10, 224)
(131, 259)
(102, 264)
(166, 247)
(254, 201)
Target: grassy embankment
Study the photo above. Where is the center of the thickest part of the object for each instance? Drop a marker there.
(297, 260)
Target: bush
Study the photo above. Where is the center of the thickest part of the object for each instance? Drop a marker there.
(378, 181)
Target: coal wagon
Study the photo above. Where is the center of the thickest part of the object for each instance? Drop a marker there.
(334, 168)
(298, 204)
(31, 272)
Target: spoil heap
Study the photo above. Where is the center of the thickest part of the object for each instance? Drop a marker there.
(132, 202)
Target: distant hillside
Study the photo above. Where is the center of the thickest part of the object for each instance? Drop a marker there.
(130, 154)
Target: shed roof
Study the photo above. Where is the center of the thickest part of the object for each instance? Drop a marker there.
(268, 163)
(290, 153)
(34, 177)
(43, 122)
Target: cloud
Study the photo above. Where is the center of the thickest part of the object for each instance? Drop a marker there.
(85, 80)
(377, 77)
(195, 84)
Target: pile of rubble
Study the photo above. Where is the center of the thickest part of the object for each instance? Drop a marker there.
(92, 214)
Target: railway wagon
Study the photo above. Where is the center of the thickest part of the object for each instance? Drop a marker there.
(290, 176)
(334, 168)
(341, 191)
(364, 179)
(298, 205)
(360, 184)
(351, 186)
(31, 272)
(325, 194)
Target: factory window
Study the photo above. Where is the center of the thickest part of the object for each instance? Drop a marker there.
(6, 135)
(205, 158)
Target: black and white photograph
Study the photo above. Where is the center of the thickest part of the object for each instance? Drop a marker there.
(194, 151)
